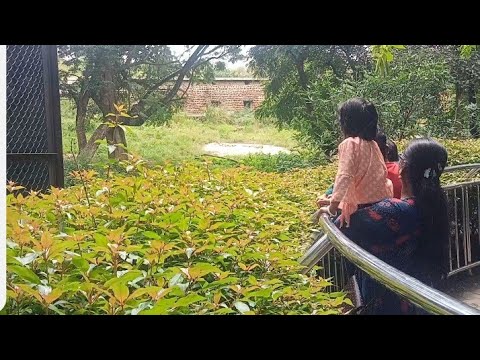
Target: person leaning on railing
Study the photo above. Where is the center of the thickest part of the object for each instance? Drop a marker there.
(390, 153)
(410, 233)
(361, 178)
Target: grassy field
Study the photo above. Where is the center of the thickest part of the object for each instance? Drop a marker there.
(184, 137)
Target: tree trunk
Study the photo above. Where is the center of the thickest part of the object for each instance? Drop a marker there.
(87, 153)
(80, 120)
(457, 100)
(116, 136)
(303, 80)
(474, 125)
(105, 98)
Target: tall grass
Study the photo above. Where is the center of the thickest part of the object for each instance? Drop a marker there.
(183, 137)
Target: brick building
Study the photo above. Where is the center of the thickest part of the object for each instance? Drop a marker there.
(232, 94)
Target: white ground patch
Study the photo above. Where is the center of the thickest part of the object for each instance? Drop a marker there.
(226, 149)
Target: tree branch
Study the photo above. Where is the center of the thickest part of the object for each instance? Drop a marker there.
(188, 86)
(189, 65)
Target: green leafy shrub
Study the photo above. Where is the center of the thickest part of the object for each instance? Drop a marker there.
(283, 162)
(218, 115)
(190, 239)
(465, 151)
(167, 240)
(459, 152)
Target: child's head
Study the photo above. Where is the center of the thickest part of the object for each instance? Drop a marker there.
(381, 140)
(392, 151)
(358, 117)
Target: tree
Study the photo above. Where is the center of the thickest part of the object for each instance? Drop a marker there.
(464, 61)
(239, 72)
(412, 87)
(305, 84)
(412, 95)
(142, 77)
(383, 55)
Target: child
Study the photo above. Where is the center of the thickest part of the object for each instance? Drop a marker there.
(390, 155)
(362, 175)
(391, 161)
(383, 145)
(392, 151)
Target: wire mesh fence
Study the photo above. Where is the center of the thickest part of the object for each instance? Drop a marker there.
(34, 145)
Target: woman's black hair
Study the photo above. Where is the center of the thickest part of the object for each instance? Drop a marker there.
(392, 151)
(423, 163)
(358, 117)
(381, 140)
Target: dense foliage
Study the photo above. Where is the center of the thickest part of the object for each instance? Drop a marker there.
(166, 240)
(424, 90)
(190, 239)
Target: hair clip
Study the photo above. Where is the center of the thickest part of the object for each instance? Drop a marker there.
(427, 172)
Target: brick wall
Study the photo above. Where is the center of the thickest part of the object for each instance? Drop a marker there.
(229, 94)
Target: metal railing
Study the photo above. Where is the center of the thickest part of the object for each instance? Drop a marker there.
(475, 168)
(464, 214)
(331, 247)
(415, 291)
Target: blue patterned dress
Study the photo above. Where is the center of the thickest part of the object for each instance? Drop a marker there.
(391, 230)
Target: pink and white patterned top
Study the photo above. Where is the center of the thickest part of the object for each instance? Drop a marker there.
(361, 177)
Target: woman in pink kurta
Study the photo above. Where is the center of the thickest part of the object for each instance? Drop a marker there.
(362, 175)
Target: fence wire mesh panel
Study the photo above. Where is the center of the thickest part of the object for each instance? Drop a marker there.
(34, 143)
(333, 266)
(33, 174)
(464, 214)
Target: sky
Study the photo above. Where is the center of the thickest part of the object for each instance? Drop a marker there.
(179, 49)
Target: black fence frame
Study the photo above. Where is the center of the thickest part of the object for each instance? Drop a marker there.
(54, 156)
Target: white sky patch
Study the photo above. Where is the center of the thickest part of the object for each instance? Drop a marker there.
(180, 49)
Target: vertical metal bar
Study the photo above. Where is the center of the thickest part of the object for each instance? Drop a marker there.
(457, 248)
(335, 268)
(329, 264)
(326, 267)
(322, 271)
(450, 260)
(342, 273)
(323, 267)
(467, 225)
(330, 275)
(464, 226)
(52, 107)
(478, 211)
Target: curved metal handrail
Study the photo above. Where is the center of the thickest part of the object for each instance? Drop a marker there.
(472, 172)
(412, 289)
(460, 184)
(316, 252)
(462, 167)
